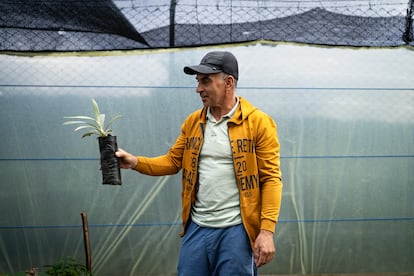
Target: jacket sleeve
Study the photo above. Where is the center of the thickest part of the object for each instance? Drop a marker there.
(167, 164)
(268, 161)
(172, 161)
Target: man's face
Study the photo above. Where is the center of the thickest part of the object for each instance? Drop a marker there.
(212, 89)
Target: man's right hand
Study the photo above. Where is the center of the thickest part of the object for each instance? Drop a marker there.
(127, 160)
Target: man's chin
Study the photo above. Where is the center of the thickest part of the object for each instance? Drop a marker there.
(205, 103)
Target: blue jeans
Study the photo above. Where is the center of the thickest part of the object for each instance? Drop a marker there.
(216, 251)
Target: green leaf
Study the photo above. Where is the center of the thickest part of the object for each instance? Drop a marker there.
(96, 125)
(80, 118)
(101, 120)
(74, 122)
(82, 127)
(95, 109)
(113, 120)
(91, 133)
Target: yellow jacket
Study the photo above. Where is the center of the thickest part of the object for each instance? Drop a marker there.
(255, 146)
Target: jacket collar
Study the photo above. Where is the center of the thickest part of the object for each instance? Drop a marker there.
(243, 110)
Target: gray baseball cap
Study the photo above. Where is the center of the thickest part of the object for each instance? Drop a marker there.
(215, 62)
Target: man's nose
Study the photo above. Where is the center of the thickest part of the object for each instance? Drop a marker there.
(199, 88)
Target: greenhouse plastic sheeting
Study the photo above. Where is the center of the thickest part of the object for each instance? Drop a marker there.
(346, 127)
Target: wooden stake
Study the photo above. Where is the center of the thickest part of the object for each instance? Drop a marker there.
(86, 241)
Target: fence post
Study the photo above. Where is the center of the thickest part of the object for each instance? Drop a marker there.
(173, 4)
(408, 34)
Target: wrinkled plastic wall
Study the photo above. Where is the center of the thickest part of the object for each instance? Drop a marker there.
(346, 126)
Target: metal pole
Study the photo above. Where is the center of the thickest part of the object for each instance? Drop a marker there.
(173, 4)
(408, 33)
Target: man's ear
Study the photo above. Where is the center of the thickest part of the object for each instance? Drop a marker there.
(230, 82)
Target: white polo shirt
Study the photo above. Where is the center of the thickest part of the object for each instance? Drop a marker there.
(217, 202)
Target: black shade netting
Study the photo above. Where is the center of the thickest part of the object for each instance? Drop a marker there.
(68, 25)
(37, 25)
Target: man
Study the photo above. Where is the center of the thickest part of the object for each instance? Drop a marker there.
(228, 152)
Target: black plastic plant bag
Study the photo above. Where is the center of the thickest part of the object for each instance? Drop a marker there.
(111, 172)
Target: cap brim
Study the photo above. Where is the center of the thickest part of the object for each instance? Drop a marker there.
(201, 69)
